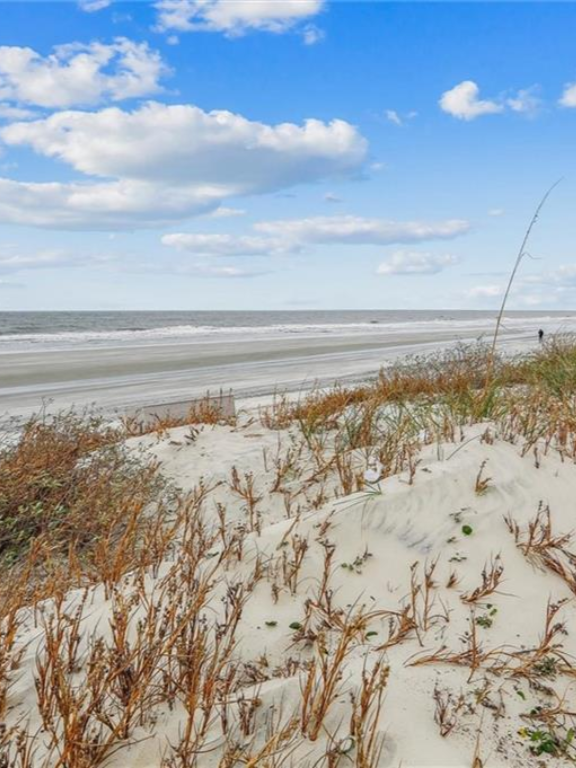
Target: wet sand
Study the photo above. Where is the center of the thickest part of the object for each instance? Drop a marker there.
(121, 377)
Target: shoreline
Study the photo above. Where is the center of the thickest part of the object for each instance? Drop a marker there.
(128, 377)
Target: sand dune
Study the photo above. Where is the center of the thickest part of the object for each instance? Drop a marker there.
(462, 672)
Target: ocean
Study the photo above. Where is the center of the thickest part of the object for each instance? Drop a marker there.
(55, 330)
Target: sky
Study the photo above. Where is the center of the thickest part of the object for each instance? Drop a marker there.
(286, 154)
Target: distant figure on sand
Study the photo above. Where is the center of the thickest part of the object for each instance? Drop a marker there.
(540, 335)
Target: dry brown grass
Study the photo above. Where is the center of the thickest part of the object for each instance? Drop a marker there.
(71, 494)
(207, 410)
(460, 383)
(538, 543)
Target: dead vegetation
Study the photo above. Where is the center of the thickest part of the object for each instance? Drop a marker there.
(207, 410)
(75, 504)
(538, 543)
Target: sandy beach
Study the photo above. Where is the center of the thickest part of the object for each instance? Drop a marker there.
(123, 374)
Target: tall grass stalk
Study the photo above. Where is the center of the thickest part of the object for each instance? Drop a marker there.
(521, 253)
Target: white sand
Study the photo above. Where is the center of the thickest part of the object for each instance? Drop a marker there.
(402, 526)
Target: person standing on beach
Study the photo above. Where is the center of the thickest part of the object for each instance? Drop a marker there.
(540, 335)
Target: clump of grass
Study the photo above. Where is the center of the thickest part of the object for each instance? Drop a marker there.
(467, 383)
(539, 543)
(447, 709)
(68, 487)
(491, 578)
(207, 410)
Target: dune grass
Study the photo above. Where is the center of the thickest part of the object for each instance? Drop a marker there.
(72, 496)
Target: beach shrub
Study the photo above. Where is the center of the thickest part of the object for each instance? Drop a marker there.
(70, 488)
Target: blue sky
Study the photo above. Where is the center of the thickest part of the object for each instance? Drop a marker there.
(277, 154)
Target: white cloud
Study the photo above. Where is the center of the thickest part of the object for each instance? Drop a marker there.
(355, 230)
(393, 117)
(545, 289)
(91, 6)
(568, 98)
(167, 163)
(209, 270)
(79, 74)
(416, 263)
(291, 237)
(13, 260)
(330, 197)
(235, 18)
(188, 269)
(182, 143)
(311, 34)
(124, 204)
(221, 272)
(485, 291)
(8, 112)
(228, 245)
(463, 102)
(525, 102)
(562, 278)
(496, 212)
(226, 213)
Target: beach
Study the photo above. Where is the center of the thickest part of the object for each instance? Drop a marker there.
(64, 362)
(377, 576)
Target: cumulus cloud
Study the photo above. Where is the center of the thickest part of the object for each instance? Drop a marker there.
(236, 18)
(463, 102)
(568, 98)
(79, 74)
(163, 163)
(355, 230)
(182, 143)
(228, 245)
(416, 263)
(124, 204)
